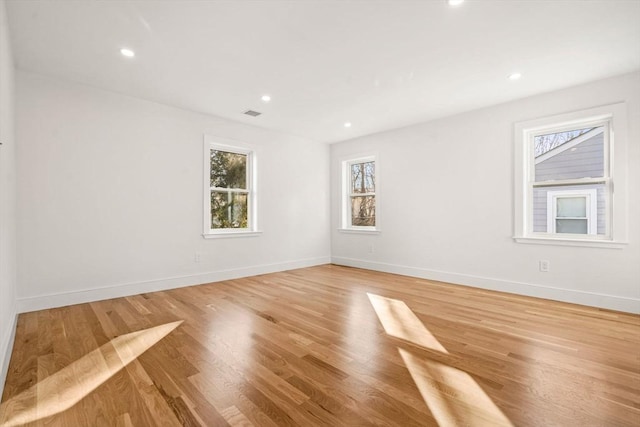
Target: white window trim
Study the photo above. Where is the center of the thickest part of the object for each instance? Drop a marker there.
(591, 208)
(231, 146)
(615, 116)
(345, 205)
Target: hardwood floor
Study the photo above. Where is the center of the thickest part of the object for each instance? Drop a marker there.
(325, 345)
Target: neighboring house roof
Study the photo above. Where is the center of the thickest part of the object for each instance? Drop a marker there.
(569, 144)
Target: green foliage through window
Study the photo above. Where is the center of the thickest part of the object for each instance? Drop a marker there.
(229, 191)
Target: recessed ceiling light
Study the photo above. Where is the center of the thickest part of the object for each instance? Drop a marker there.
(515, 76)
(455, 2)
(266, 98)
(127, 52)
(347, 124)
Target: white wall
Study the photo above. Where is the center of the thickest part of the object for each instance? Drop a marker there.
(7, 201)
(110, 197)
(446, 205)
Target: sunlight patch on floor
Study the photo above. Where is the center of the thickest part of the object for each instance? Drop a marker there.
(399, 321)
(451, 394)
(68, 386)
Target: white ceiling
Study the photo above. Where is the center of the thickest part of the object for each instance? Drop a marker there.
(377, 64)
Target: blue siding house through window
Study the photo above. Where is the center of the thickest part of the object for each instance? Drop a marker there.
(585, 159)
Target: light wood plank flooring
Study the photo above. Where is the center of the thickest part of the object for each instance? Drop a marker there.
(326, 345)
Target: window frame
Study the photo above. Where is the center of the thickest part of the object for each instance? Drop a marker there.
(230, 146)
(591, 211)
(614, 118)
(346, 220)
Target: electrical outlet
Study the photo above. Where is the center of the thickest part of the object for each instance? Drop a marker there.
(544, 266)
(197, 257)
(372, 249)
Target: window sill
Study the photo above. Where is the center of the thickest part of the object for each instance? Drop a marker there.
(562, 241)
(230, 234)
(359, 230)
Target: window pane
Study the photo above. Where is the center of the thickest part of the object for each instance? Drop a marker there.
(571, 207)
(363, 177)
(228, 210)
(228, 170)
(547, 142)
(363, 211)
(541, 211)
(574, 226)
(570, 155)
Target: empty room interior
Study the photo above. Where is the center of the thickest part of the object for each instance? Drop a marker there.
(332, 213)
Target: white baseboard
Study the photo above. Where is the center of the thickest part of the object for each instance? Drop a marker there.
(62, 299)
(6, 348)
(630, 305)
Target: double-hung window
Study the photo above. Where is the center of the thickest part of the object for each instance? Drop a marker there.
(359, 194)
(565, 178)
(230, 202)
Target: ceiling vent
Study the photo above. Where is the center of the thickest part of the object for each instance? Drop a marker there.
(252, 113)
